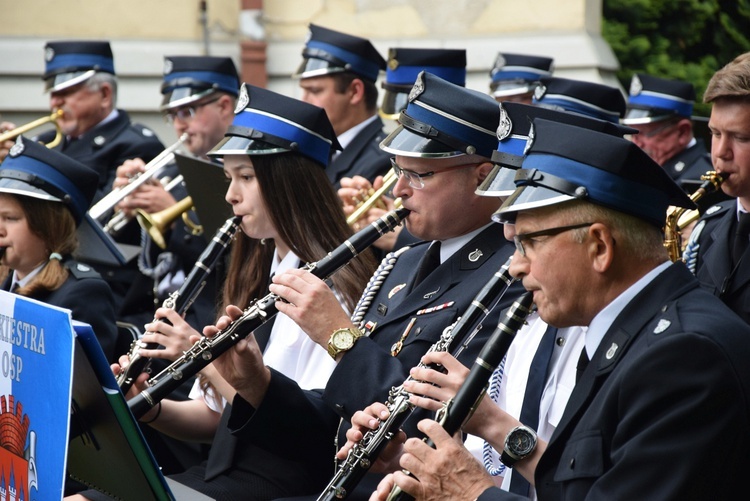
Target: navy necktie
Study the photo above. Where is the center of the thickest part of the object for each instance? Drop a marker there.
(429, 262)
(532, 397)
(583, 362)
(741, 237)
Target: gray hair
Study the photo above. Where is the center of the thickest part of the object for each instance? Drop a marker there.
(100, 78)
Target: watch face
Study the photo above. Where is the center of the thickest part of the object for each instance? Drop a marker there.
(521, 442)
(343, 340)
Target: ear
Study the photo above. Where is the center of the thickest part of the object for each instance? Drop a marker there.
(226, 104)
(106, 90)
(601, 247)
(483, 171)
(357, 91)
(685, 130)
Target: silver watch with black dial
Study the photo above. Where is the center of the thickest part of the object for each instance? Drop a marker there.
(519, 444)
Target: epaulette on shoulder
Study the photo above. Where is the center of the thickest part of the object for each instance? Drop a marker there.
(80, 270)
(143, 130)
(717, 210)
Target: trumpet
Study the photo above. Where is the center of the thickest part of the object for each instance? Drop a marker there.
(156, 224)
(51, 118)
(114, 197)
(374, 198)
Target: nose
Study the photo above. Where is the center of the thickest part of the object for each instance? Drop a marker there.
(232, 196)
(720, 147)
(519, 266)
(402, 189)
(55, 101)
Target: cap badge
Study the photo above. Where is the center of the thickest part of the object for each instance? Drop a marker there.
(499, 61)
(505, 126)
(530, 140)
(392, 61)
(475, 255)
(243, 100)
(17, 148)
(539, 92)
(49, 54)
(418, 87)
(168, 66)
(636, 86)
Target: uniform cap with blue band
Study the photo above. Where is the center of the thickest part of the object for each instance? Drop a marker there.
(567, 163)
(514, 74)
(188, 79)
(405, 64)
(327, 51)
(68, 63)
(444, 120)
(653, 99)
(33, 170)
(267, 123)
(586, 98)
(513, 134)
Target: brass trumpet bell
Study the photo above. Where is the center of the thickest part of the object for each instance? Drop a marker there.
(156, 224)
(52, 118)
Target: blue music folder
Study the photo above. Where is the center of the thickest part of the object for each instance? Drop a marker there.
(36, 361)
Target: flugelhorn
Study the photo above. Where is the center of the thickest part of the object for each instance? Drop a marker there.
(181, 299)
(206, 349)
(51, 118)
(156, 224)
(374, 198)
(100, 209)
(678, 218)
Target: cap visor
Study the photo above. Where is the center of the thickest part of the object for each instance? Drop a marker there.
(237, 145)
(182, 96)
(313, 67)
(393, 104)
(63, 81)
(18, 187)
(408, 144)
(526, 198)
(512, 89)
(640, 116)
(499, 183)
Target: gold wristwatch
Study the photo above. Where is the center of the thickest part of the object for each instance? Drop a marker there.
(342, 340)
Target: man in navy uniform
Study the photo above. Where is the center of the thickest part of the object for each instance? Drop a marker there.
(442, 148)
(338, 73)
(596, 203)
(661, 110)
(514, 77)
(716, 250)
(80, 77)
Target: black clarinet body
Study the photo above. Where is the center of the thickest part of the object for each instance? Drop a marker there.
(205, 350)
(183, 298)
(363, 454)
(457, 411)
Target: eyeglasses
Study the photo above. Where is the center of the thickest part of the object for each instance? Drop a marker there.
(520, 237)
(186, 113)
(416, 179)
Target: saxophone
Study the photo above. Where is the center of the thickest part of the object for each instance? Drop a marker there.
(457, 410)
(361, 456)
(181, 299)
(259, 312)
(679, 217)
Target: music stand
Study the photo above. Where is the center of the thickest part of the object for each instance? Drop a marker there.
(207, 186)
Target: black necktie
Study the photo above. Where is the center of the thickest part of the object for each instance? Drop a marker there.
(429, 262)
(532, 397)
(583, 362)
(741, 236)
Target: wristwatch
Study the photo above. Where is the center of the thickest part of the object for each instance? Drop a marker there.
(520, 442)
(342, 340)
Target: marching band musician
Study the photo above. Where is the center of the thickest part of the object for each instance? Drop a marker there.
(274, 159)
(662, 362)
(199, 95)
(661, 109)
(44, 196)
(716, 252)
(416, 294)
(338, 73)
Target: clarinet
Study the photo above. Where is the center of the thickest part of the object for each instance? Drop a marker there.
(361, 456)
(181, 299)
(256, 314)
(459, 409)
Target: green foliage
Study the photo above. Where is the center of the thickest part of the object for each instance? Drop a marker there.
(681, 39)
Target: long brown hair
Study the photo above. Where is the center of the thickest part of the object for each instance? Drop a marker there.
(307, 215)
(54, 224)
